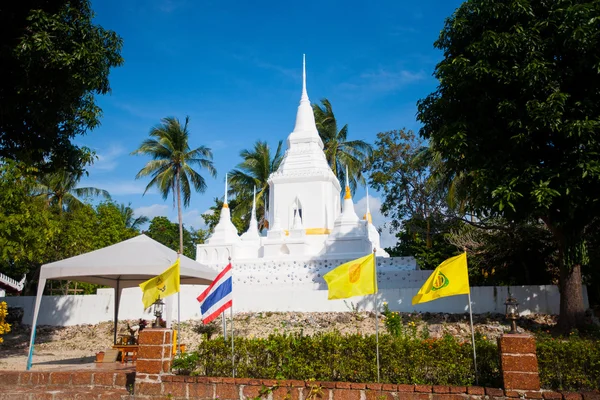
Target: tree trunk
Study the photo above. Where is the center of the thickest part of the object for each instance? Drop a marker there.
(571, 298)
(179, 213)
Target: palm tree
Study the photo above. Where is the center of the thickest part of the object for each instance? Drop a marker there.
(60, 188)
(172, 163)
(129, 219)
(254, 171)
(355, 154)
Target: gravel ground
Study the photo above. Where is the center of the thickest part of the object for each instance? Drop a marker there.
(65, 347)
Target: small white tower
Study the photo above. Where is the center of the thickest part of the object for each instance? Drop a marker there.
(372, 231)
(225, 232)
(252, 232)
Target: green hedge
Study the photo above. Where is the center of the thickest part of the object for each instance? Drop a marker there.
(569, 364)
(333, 357)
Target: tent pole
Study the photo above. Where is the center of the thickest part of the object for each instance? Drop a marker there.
(36, 311)
(117, 303)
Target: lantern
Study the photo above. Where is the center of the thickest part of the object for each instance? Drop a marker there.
(512, 313)
(159, 306)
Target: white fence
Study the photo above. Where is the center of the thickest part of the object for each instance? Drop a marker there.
(91, 309)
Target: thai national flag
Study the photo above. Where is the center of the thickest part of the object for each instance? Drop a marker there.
(217, 297)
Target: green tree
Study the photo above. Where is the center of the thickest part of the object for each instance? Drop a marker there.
(26, 224)
(55, 60)
(128, 216)
(517, 110)
(173, 162)
(254, 171)
(60, 188)
(166, 232)
(339, 151)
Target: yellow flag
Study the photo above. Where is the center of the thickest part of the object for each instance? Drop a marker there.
(449, 279)
(161, 286)
(354, 278)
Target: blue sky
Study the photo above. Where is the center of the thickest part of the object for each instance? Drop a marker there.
(235, 68)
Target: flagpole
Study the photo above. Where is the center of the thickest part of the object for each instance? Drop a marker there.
(376, 315)
(178, 313)
(231, 314)
(473, 341)
(224, 325)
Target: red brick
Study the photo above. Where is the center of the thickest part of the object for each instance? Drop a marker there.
(60, 378)
(40, 396)
(82, 378)
(177, 378)
(228, 391)
(25, 378)
(150, 352)
(571, 396)
(390, 387)
(147, 389)
(121, 379)
(154, 337)
(358, 386)
(228, 380)
(519, 363)
(175, 389)
(373, 394)
(268, 382)
(250, 391)
(423, 388)
(254, 382)
(342, 385)
(282, 393)
(591, 395)
(441, 389)
(149, 366)
(448, 396)
(521, 381)
(374, 386)
(346, 394)
(406, 388)
(166, 367)
(533, 395)
(458, 389)
(476, 390)
(494, 392)
(415, 396)
(517, 344)
(295, 383)
(513, 393)
(201, 390)
(327, 385)
(104, 378)
(214, 379)
(190, 379)
(552, 395)
(40, 378)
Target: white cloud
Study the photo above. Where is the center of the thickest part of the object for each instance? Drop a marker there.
(155, 210)
(107, 161)
(120, 188)
(387, 238)
(383, 80)
(194, 219)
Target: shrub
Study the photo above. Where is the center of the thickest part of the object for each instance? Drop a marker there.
(208, 330)
(4, 326)
(333, 357)
(569, 363)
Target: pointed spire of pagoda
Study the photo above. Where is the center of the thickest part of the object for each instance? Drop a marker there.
(225, 231)
(252, 232)
(305, 130)
(225, 205)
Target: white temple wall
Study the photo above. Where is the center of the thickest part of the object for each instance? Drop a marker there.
(92, 309)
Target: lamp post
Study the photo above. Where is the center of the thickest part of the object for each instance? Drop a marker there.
(512, 313)
(158, 312)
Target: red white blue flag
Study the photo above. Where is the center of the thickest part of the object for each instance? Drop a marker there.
(217, 297)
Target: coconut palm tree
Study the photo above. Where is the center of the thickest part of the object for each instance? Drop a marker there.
(60, 189)
(258, 163)
(340, 152)
(129, 219)
(173, 162)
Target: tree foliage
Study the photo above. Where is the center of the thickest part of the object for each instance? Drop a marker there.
(55, 60)
(339, 151)
(166, 232)
(517, 110)
(172, 165)
(254, 171)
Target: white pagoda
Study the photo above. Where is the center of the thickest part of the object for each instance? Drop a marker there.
(313, 227)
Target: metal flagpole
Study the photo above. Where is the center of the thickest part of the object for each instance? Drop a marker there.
(376, 315)
(473, 340)
(231, 314)
(224, 325)
(178, 312)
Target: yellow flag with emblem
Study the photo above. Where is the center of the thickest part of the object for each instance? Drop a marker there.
(449, 279)
(354, 278)
(161, 286)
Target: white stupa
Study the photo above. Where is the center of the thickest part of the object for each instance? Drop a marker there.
(309, 233)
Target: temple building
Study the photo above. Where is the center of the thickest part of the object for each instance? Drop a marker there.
(313, 227)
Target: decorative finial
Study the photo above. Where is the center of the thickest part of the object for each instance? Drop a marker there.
(225, 205)
(368, 216)
(254, 201)
(347, 195)
(304, 92)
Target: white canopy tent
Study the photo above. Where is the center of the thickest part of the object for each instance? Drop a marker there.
(122, 265)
